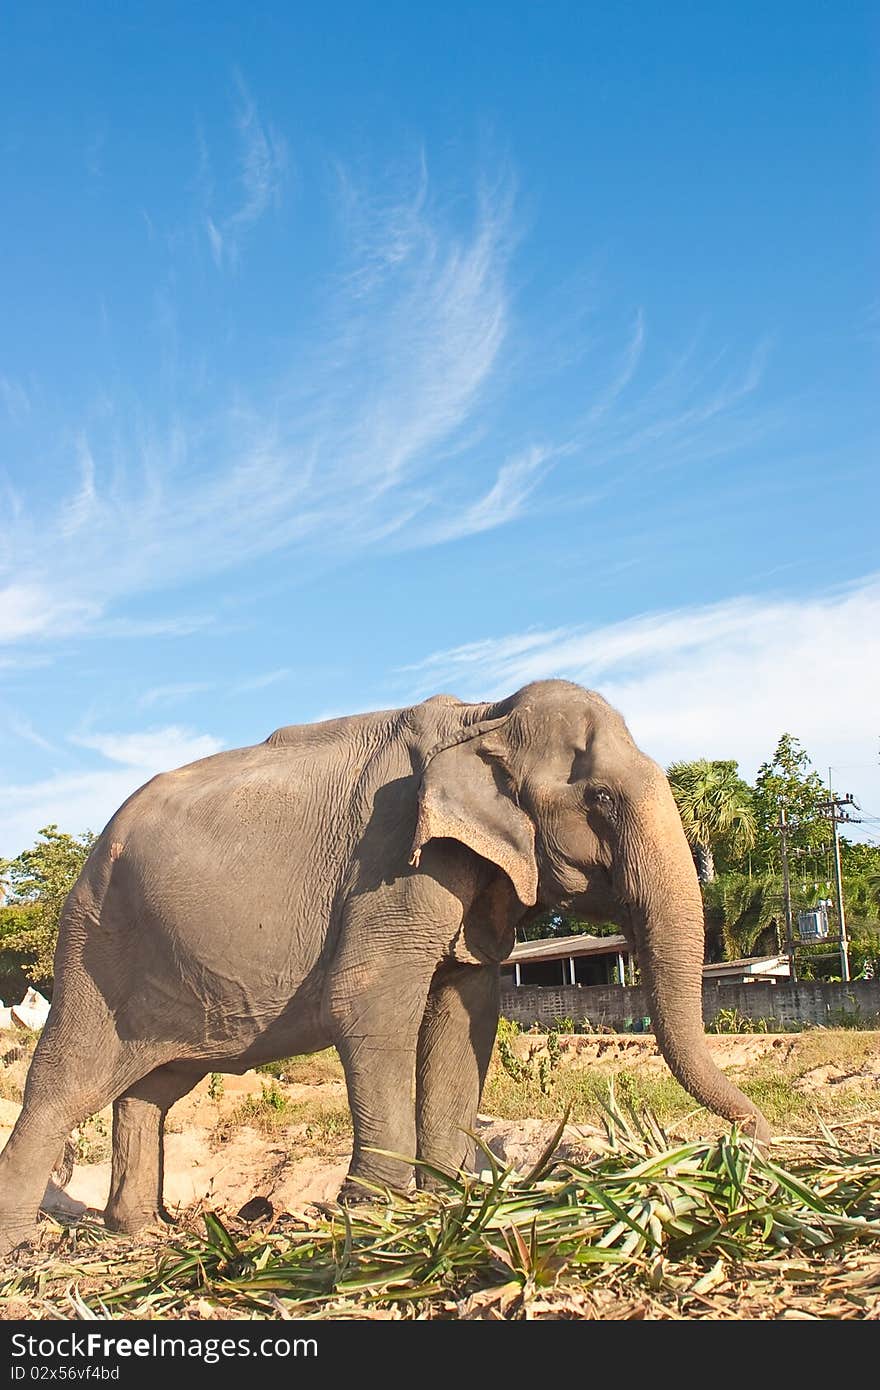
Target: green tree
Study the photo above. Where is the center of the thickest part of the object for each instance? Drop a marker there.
(15, 918)
(788, 781)
(715, 806)
(40, 879)
(553, 923)
(743, 913)
(856, 858)
(860, 864)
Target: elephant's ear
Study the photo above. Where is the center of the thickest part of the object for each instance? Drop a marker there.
(467, 795)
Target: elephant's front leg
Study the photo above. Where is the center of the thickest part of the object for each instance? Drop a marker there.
(392, 940)
(376, 1026)
(455, 1045)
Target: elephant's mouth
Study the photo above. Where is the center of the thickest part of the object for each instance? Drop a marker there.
(594, 898)
(478, 948)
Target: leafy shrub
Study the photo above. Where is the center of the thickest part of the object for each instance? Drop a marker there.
(540, 1066)
(93, 1143)
(732, 1021)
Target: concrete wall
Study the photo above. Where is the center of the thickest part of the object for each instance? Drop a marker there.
(616, 1006)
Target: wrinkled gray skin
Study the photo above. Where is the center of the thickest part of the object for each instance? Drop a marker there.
(354, 882)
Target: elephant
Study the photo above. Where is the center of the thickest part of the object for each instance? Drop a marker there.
(355, 882)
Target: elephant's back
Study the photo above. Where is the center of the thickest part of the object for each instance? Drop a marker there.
(227, 866)
(349, 730)
(235, 799)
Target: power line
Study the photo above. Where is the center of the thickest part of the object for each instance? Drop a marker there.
(786, 889)
(834, 809)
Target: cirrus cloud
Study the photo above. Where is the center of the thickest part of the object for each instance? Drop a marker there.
(87, 796)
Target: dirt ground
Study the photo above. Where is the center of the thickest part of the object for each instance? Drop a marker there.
(288, 1140)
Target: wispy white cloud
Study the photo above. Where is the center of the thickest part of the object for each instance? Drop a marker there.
(632, 355)
(384, 228)
(87, 797)
(386, 433)
(338, 456)
(180, 626)
(78, 801)
(488, 659)
(15, 398)
(151, 748)
(505, 501)
(37, 608)
(262, 161)
(260, 682)
(171, 693)
(718, 680)
(686, 415)
(24, 729)
(24, 661)
(76, 513)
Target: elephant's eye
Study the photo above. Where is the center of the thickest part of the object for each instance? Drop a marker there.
(601, 798)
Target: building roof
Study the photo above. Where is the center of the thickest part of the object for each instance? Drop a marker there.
(750, 965)
(562, 947)
(566, 947)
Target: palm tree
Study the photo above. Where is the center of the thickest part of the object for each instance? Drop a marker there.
(741, 910)
(715, 808)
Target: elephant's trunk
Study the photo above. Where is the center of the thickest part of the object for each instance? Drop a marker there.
(663, 891)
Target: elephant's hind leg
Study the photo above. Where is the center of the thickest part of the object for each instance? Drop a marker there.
(455, 1045)
(138, 1148)
(80, 1065)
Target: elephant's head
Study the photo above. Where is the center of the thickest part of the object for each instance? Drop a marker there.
(549, 786)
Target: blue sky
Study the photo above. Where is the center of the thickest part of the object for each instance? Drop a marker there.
(350, 353)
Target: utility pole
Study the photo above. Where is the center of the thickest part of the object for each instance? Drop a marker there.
(834, 808)
(786, 892)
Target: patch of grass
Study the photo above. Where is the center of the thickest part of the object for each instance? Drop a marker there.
(582, 1093)
(784, 1106)
(732, 1021)
(772, 1081)
(329, 1129)
(312, 1069)
(847, 1048)
(266, 1111)
(853, 1018)
(514, 1091)
(322, 1125)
